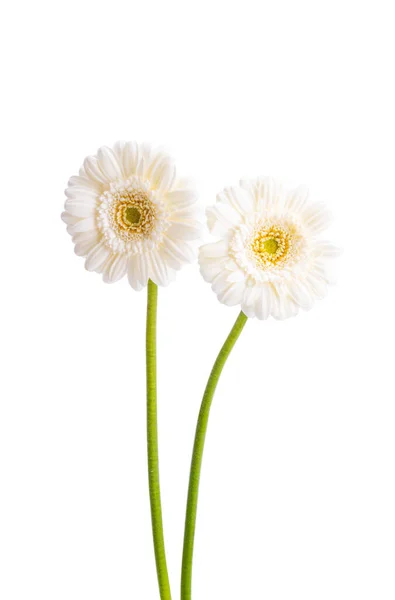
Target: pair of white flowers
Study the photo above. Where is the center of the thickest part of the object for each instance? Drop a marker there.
(129, 214)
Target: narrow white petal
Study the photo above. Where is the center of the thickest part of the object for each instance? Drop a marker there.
(75, 192)
(146, 158)
(92, 168)
(297, 199)
(69, 219)
(138, 271)
(130, 158)
(83, 182)
(326, 249)
(317, 284)
(220, 283)
(250, 297)
(185, 230)
(179, 199)
(97, 257)
(316, 218)
(159, 271)
(267, 194)
(210, 269)
(236, 275)
(286, 307)
(82, 225)
(214, 250)
(109, 164)
(84, 236)
(237, 198)
(180, 251)
(85, 246)
(233, 294)
(221, 218)
(116, 269)
(163, 174)
(300, 294)
(80, 209)
(263, 301)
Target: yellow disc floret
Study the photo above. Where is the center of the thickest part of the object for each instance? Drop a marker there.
(271, 245)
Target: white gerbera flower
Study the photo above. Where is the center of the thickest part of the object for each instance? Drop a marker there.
(269, 259)
(127, 213)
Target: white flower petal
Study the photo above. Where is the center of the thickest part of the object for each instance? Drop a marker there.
(83, 247)
(82, 225)
(317, 284)
(221, 218)
(185, 230)
(68, 218)
(138, 271)
(146, 157)
(214, 250)
(237, 198)
(80, 208)
(159, 272)
(84, 183)
(264, 301)
(233, 294)
(82, 193)
(116, 269)
(326, 249)
(210, 269)
(179, 251)
(130, 158)
(297, 199)
(92, 168)
(84, 236)
(109, 164)
(316, 218)
(300, 293)
(163, 174)
(179, 199)
(97, 257)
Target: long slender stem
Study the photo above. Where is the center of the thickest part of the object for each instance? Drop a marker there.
(152, 446)
(197, 456)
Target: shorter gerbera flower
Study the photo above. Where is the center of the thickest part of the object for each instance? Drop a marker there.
(269, 259)
(127, 213)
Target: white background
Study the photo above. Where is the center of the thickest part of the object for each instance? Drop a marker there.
(297, 496)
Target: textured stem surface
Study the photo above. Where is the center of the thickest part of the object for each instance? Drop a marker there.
(200, 435)
(152, 446)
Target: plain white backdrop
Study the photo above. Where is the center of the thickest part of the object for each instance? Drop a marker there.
(297, 493)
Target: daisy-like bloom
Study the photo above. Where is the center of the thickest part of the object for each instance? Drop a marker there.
(128, 214)
(269, 259)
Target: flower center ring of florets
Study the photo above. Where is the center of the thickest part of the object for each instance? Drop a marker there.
(271, 245)
(129, 214)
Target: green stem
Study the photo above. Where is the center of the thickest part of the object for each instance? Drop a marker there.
(152, 446)
(197, 456)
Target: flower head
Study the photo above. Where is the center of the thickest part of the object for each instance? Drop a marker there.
(268, 259)
(128, 214)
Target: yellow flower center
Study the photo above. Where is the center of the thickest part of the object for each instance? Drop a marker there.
(132, 214)
(271, 245)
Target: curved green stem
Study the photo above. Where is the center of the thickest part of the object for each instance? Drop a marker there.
(152, 446)
(197, 456)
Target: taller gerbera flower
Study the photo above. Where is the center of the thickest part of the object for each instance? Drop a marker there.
(127, 213)
(269, 259)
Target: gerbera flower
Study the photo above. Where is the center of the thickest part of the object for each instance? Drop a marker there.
(128, 214)
(268, 259)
